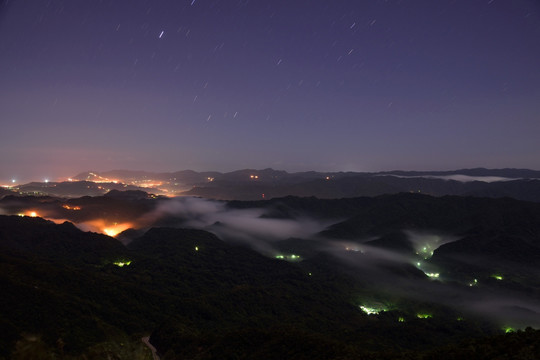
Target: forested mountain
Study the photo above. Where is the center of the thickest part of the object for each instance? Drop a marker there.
(402, 276)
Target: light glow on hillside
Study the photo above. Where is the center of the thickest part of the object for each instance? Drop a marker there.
(122, 263)
(291, 257)
(370, 310)
(106, 227)
(115, 229)
(68, 207)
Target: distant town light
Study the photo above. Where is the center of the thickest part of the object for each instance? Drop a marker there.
(71, 207)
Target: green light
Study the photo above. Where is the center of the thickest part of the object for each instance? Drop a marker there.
(196, 248)
(401, 319)
(426, 251)
(370, 310)
(433, 275)
(509, 329)
(424, 316)
(122, 263)
(291, 257)
(309, 274)
(294, 257)
(497, 277)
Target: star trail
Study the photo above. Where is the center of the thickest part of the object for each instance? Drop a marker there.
(292, 85)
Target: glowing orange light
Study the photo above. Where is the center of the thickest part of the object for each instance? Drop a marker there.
(110, 232)
(71, 207)
(150, 184)
(115, 229)
(100, 179)
(32, 214)
(105, 227)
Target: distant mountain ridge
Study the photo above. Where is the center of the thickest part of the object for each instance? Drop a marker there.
(253, 184)
(194, 176)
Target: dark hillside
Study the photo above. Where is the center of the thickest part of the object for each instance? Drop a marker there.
(200, 297)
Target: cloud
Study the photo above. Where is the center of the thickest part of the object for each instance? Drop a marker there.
(236, 225)
(460, 177)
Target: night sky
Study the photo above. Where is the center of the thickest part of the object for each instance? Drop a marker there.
(328, 85)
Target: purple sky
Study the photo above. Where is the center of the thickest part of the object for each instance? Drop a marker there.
(296, 85)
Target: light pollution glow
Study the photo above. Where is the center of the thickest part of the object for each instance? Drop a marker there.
(105, 227)
(67, 207)
(29, 213)
(101, 226)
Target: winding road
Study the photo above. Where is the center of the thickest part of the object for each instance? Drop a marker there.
(146, 341)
